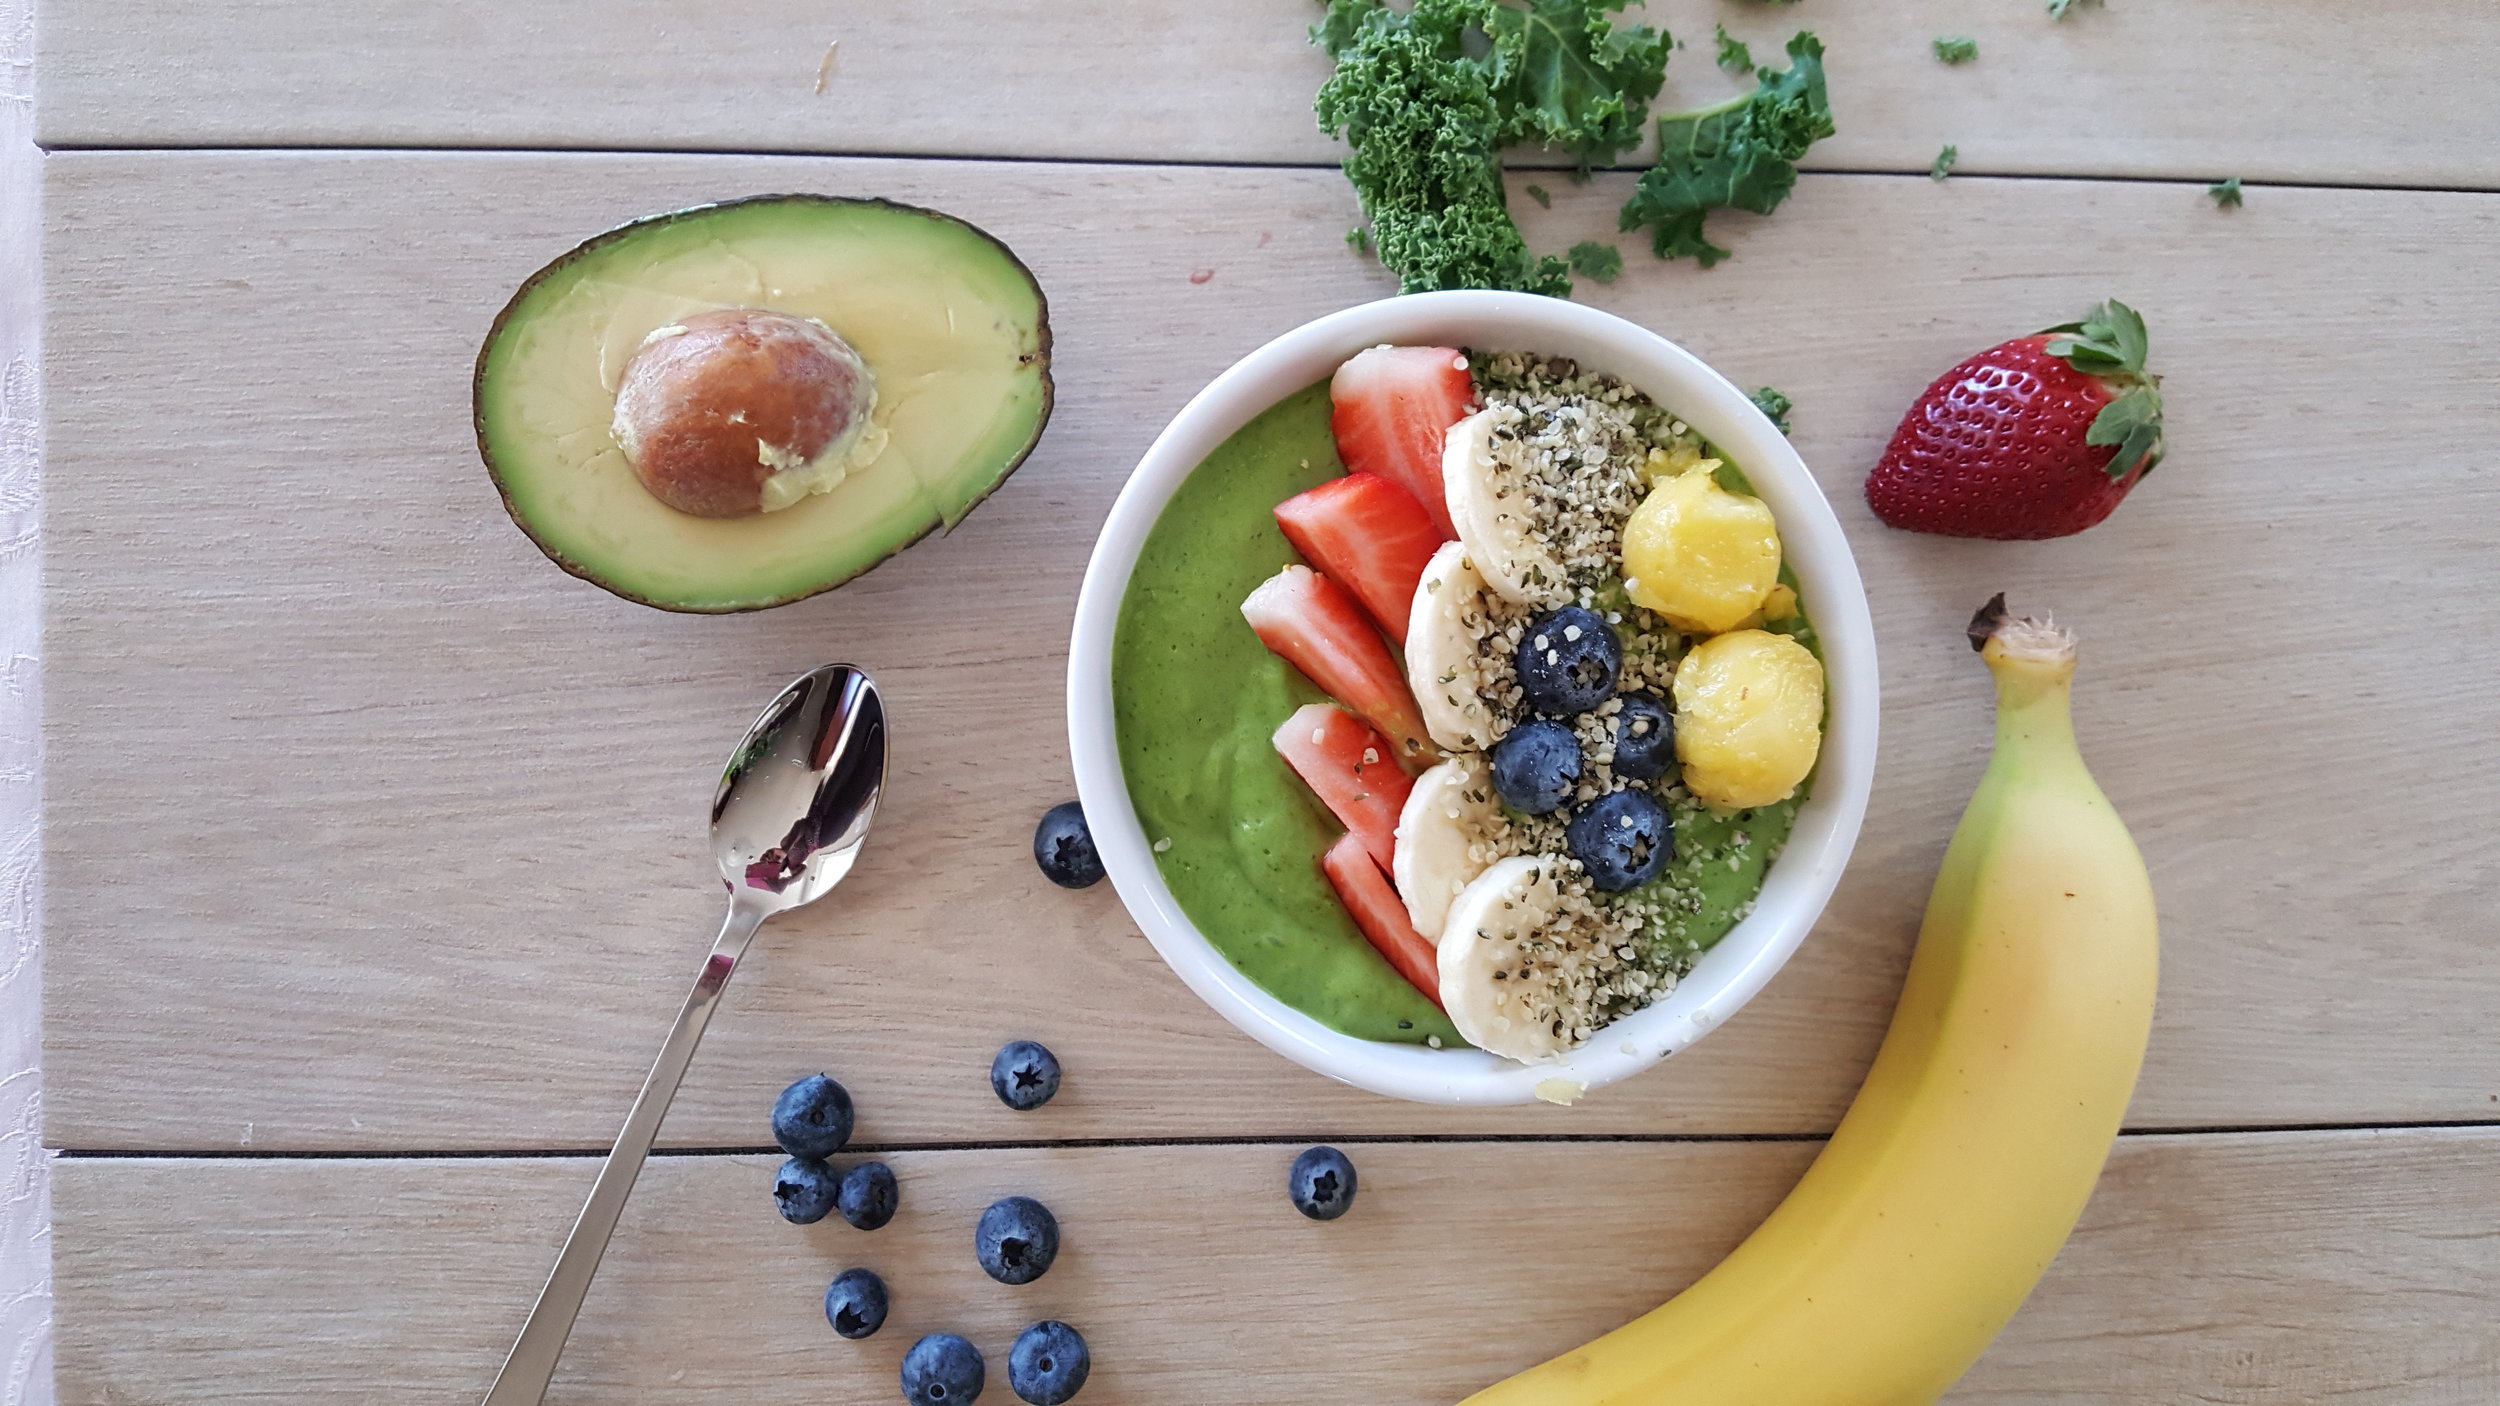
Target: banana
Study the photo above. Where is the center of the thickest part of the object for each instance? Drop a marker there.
(1496, 525)
(1447, 807)
(1496, 969)
(1968, 1154)
(1441, 632)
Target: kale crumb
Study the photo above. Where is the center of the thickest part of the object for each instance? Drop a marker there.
(1538, 194)
(2226, 194)
(1359, 240)
(1943, 166)
(1957, 50)
(1592, 260)
(2058, 8)
(1774, 406)
(1733, 55)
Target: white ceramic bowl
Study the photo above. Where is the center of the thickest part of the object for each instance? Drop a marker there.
(1797, 884)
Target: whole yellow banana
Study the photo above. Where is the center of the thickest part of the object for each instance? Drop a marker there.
(1969, 1152)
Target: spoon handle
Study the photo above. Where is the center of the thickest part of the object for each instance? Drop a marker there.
(532, 1362)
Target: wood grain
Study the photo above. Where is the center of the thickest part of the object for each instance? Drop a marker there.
(2344, 1267)
(367, 829)
(2295, 90)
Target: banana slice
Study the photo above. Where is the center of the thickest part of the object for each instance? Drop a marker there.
(1499, 951)
(1495, 524)
(1441, 630)
(1448, 808)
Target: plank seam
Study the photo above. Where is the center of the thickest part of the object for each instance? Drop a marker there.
(1902, 173)
(1036, 1144)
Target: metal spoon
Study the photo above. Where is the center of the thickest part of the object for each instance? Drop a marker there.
(793, 806)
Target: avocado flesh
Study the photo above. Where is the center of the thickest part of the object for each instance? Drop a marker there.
(951, 325)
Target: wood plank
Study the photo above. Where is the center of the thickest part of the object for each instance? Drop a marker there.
(369, 830)
(2181, 91)
(2345, 1267)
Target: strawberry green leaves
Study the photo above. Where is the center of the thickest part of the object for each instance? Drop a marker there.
(2111, 343)
(1741, 155)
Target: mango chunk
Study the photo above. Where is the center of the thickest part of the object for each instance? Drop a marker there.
(1748, 718)
(1701, 556)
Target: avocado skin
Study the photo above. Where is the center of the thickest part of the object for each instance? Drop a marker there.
(1040, 355)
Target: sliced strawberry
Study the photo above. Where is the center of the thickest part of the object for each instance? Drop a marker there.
(1348, 765)
(1320, 629)
(1368, 535)
(1377, 910)
(1392, 408)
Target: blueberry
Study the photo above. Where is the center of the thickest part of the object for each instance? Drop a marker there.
(812, 1118)
(855, 1303)
(1016, 1240)
(1064, 846)
(1644, 738)
(942, 1370)
(1321, 1183)
(1536, 765)
(806, 1190)
(1048, 1363)
(1623, 838)
(867, 1196)
(1025, 1075)
(1568, 660)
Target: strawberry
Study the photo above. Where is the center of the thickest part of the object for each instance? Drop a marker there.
(1348, 766)
(1314, 625)
(1381, 914)
(1368, 535)
(1392, 408)
(2036, 437)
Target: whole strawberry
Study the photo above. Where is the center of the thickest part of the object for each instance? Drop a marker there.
(2036, 437)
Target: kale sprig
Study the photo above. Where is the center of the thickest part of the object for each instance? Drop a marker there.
(1739, 155)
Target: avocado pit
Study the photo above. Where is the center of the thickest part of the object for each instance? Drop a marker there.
(742, 411)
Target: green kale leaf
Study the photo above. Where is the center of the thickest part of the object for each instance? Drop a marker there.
(1601, 262)
(1774, 406)
(1943, 166)
(2226, 194)
(1426, 97)
(1957, 50)
(1740, 154)
(1734, 56)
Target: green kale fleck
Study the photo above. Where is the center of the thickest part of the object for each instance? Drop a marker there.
(1733, 55)
(2058, 8)
(2226, 194)
(1740, 154)
(1359, 240)
(1957, 50)
(1539, 195)
(1774, 406)
(1426, 97)
(1943, 166)
(1601, 262)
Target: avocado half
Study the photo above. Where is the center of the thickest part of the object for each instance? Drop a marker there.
(950, 322)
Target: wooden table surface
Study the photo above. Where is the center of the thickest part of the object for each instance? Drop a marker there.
(374, 848)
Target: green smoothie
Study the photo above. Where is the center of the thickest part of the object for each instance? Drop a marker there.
(1195, 698)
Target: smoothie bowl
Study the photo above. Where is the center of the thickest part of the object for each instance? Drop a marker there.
(1473, 697)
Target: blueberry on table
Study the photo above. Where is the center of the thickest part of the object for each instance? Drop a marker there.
(1623, 839)
(1321, 1183)
(1064, 846)
(812, 1118)
(942, 1370)
(1025, 1074)
(1644, 738)
(855, 1303)
(1048, 1363)
(1568, 660)
(1536, 765)
(868, 1195)
(806, 1190)
(1016, 1240)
